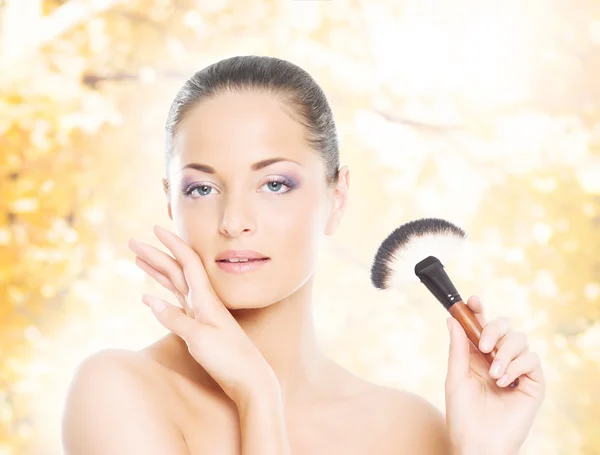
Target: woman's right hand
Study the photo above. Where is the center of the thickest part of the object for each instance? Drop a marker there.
(213, 336)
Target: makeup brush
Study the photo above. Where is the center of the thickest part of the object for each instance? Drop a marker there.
(413, 250)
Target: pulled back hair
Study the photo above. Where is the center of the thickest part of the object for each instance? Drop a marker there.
(305, 99)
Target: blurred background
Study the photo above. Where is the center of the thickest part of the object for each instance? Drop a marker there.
(483, 113)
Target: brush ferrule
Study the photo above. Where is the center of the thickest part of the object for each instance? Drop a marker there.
(432, 274)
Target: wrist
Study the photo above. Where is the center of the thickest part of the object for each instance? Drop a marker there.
(266, 394)
(262, 422)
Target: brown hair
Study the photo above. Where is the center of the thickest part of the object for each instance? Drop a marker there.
(295, 86)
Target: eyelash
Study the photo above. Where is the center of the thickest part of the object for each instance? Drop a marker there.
(285, 181)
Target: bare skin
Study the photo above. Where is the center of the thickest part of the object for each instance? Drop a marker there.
(161, 400)
(173, 405)
(343, 414)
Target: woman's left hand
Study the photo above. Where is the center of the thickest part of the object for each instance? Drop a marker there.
(483, 414)
(213, 336)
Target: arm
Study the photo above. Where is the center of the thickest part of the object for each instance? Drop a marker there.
(262, 424)
(109, 410)
(216, 341)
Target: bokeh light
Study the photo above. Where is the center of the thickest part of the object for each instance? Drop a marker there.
(483, 113)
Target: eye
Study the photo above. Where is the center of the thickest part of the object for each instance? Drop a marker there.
(275, 184)
(204, 190)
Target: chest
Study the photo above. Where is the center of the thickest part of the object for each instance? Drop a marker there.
(210, 425)
(225, 439)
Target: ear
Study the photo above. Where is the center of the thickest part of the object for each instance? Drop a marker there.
(165, 183)
(340, 200)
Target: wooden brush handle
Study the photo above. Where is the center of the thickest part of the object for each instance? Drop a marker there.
(463, 314)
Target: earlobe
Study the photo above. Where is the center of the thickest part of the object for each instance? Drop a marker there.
(334, 216)
(332, 224)
(340, 200)
(165, 183)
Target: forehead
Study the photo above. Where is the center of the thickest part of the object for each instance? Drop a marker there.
(240, 126)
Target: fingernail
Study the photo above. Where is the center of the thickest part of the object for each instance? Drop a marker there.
(503, 380)
(486, 344)
(156, 305)
(448, 323)
(495, 370)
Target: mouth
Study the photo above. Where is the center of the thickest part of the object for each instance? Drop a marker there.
(236, 260)
(241, 265)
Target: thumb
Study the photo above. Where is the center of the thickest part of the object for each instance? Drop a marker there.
(458, 356)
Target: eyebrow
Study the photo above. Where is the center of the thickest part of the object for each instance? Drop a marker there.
(254, 167)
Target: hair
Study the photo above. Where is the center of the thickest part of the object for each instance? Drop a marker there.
(294, 86)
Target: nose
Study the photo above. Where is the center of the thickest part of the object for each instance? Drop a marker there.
(237, 219)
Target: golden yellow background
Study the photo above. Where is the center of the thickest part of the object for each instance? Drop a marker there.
(483, 113)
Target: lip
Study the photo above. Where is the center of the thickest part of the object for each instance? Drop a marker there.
(228, 254)
(242, 267)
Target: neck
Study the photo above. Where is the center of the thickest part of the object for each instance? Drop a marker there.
(285, 335)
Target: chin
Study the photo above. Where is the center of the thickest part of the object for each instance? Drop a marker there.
(245, 302)
(237, 305)
(244, 295)
(254, 291)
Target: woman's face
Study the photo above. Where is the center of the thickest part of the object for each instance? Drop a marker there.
(224, 195)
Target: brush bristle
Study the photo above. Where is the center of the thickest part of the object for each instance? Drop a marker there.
(406, 246)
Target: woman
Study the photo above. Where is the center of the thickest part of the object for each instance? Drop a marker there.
(253, 182)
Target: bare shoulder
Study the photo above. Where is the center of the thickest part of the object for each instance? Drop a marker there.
(109, 367)
(113, 406)
(402, 401)
(394, 421)
(121, 359)
(414, 424)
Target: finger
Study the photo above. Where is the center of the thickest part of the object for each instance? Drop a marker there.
(162, 262)
(492, 332)
(195, 275)
(159, 277)
(190, 261)
(172, 317)
(513, 344)
(162, 280)
(528, 363)
(475, 305)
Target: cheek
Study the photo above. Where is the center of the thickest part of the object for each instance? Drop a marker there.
(298, 228)
(289, 231)
(197, 231)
